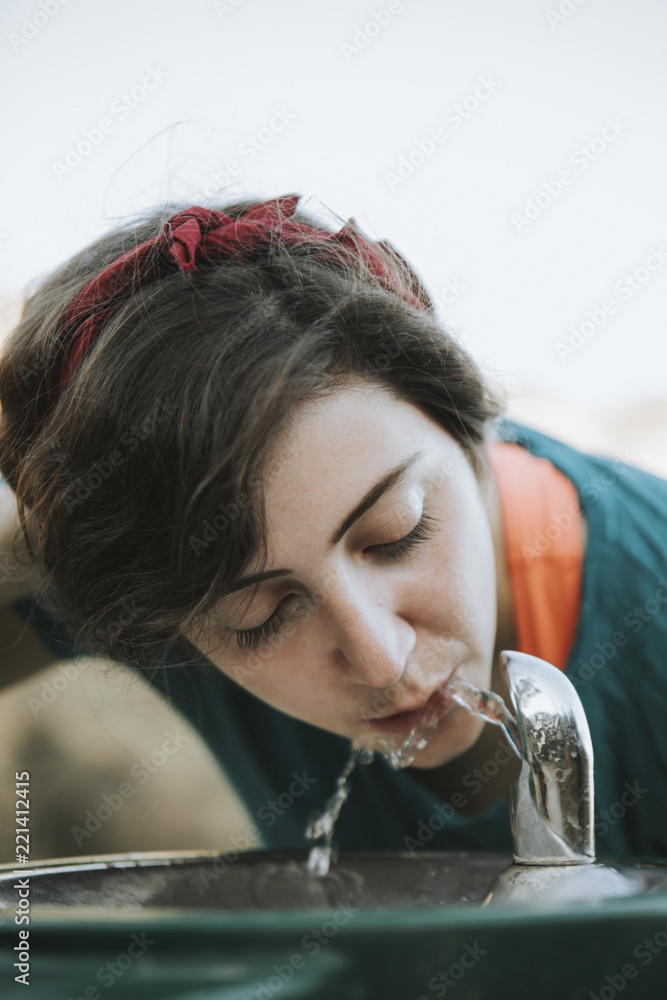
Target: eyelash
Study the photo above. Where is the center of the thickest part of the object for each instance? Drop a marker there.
(425, 527)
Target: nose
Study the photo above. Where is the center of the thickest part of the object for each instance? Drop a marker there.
(372, 642)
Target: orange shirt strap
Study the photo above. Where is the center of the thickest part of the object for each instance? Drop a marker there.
(544, 549)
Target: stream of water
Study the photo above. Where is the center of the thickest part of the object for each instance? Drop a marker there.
(488, 706)
(477, 701)
(322, 824)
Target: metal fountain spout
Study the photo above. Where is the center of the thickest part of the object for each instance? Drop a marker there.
(551, 803)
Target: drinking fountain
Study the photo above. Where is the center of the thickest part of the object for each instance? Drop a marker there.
(552, 801)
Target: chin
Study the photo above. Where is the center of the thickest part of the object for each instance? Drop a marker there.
(456, 734)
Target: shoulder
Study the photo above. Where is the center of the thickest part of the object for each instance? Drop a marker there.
(625, 507)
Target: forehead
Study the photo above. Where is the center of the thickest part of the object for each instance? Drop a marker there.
(336, 448)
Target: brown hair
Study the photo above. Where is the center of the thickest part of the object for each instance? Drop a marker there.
(140, 490)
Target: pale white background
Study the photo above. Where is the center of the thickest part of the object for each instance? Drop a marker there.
(355, 114)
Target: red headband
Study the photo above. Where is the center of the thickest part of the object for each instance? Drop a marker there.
(198, 235)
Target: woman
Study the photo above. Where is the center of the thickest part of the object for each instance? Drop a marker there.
(249, 461)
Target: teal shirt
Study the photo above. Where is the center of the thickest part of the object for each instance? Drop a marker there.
(283, 769)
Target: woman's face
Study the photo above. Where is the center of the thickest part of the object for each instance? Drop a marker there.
(379, 582)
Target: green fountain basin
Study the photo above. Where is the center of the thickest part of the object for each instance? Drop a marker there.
(188, 926)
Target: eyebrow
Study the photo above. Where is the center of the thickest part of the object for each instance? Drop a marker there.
(388, 482)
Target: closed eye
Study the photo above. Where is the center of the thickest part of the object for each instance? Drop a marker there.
(425, 528)
(253, 637)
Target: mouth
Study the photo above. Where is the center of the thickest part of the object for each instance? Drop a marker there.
(433, 708)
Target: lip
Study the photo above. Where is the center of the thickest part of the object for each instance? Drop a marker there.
(440, 701)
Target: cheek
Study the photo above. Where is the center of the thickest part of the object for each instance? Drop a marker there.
(462, 570)
(290, 679)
